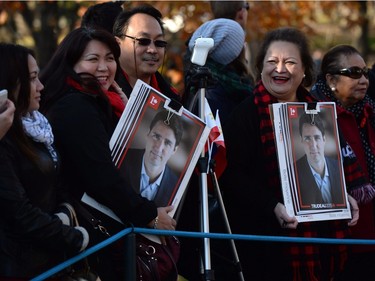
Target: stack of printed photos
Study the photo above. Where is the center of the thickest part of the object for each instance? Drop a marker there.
(134, 131)
(159, 131)
(310, 162)
(155, 129)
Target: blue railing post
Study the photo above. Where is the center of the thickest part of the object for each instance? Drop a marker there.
(130, 258)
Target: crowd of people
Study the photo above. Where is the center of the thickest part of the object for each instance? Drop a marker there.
(58, 121)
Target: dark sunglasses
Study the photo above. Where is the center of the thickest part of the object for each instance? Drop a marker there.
(353, 72)
(147, 41)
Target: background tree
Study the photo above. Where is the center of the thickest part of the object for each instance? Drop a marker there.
(41, 25)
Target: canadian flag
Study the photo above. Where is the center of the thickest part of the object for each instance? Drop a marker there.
(215, 146)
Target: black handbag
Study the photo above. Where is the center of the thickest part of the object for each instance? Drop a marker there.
(80, 271)
(157, 262)
(154, 261)
(81, 274)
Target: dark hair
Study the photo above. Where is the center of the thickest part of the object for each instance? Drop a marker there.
(308, 119)
(226, 9)
(15, 77)
(294, 36)
(331, 61)
(61, 66)
(239, 66)
(122, 21)
(102, 15)
(174, 123)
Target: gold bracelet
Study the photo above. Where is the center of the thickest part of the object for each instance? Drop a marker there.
(156, 222)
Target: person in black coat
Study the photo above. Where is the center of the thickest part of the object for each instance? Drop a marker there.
(35, 232)
(310, 192)
(318, 177)
(81, 104)
(230, 85)
(6, 117)
(147, 169)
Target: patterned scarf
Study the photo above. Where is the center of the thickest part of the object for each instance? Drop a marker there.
(308, 261)
(364, 116)
(238, 87)
(356, 180)
(263, 99)
(38, 128)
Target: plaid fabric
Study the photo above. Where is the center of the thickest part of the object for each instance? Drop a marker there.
(262, 99)
(308, 261)
(237, 86)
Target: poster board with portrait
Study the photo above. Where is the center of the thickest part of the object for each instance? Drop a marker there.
(134, 144)
(310, 162)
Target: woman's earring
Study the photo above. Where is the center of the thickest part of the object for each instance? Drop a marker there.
(333, 89)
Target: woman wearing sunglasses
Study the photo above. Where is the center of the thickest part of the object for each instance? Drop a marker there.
(344, 80)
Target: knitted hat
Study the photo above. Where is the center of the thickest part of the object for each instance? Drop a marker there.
(228, 35)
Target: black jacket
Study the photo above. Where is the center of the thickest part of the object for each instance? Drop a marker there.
(164, 87)
(131, 168)
(310, 192)
(32, 239)
(83, 125)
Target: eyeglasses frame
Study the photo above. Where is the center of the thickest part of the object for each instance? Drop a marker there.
(156, 42)
(348, 71)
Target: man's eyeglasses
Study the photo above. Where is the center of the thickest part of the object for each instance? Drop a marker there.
(146, 41)
(353, 72)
